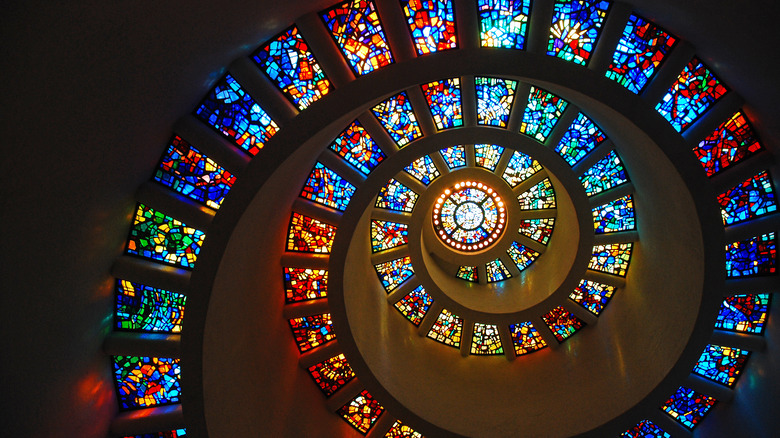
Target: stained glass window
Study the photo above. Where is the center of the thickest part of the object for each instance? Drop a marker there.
(582, 137)
(744, 313)
(332, 374)
(396, 196)
(444, 100)
(612, 258)
(398, 119)
(289, 63)
(423, 170)
(694, 91)
(415, 305)
(617, 215)
(520, 168)
(592, 296)
(526, 338)
(468, 273)
(142, 381)
(645, 429)
(302, 284)
(541, 114)
(454, 156)
(688, 407)
(562, 323)
(394, 272)
(447, 329)
(232, 112)
(326, 187)
(149, 309)
(732, 142)
(496, 271)
(177, 433)
(752, 257)
(752, 198)
(522, 255)
(640, 51)
(187, 171)
(386, 235)
(432, 23)
(487, 155)
(358, 148)
(307, 234)
(312, 331)
(607, 173)
(362, 412)
(357, 31)
(503, 23)
(494, 100)
(400, 430)
(721, 364)
(159, 237)
(576, 25)
(538, 197)
(486, 340)
(539, 230)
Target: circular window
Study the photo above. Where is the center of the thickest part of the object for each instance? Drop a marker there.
(469, 216)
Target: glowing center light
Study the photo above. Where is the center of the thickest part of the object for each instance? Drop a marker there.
(469, 216)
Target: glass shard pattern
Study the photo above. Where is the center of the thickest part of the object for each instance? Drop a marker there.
(752, 257)
(400, 430)
(539, 230)
(358, 148)
(393, 273)
(617, 215)
(454, 156)
(526, 338)
(326, 187)
(688, 407)
(332, 374)
(541, 114)
(520, 168)
(398, 119)
(732, 142)
(592, 296)
(496, 271)
(639, 53)
(290, 65)
(538, 197)
(233, 113)
(645, 429)
(444, 100)
(396, 196)
(582, 137)
(415, 305)
(447, 329)
(303, 284)
(503, 23)
(576, 25)
(432, 24)
(142, 382)
(386, 235)
(607, 173)
(522, 255)
(147, 309)
(362, 412)
(356, 28)
(423, 170)
(494, 100)
(745, 313)
(312, 331)
(562, 323)
(486, 340)
(721, 364)
(307, 234)
(694, 91)
(468, 273)
(612, 258)
(487, 155)
(752, 198)
(186, 170)
(161, 238)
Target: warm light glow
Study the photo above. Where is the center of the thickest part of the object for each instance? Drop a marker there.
(469, 217)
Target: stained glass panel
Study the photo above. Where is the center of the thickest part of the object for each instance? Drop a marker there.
(487, 155)
(443, 98)
(415, 305)
(496, 271)
(522, 255)
(332, 374)
(612, 258)
(503, 23)
(362, 412)
(454, 156)
(149, 309)
(432, 24)
(398, 119)
(400, 430)
(187, 171)
(539, 230)
(312, 331)
(356, 28)
(607, 173)
(307, 234)
(752, 257)
(645, 429)
(358, 148)
(538, 197)
(694, 91)
(582, 137)
(326, 187)
(752, 198)
(576, 25)
(688, 407)
(486, 340)
(744, 313)
(232, 112)
(468, 273)
(721, 364)
(639, 53)
(592, 296)
(302, 284)
(394, 272)
(142, 381)
(386, 235)
(520, 168)
(541, 114)
(562, 323)
(289, 63)
(494, 100)
(526, 338)
(732, 142)
(447, 329)
(617, 215)
(423, 170)
(396, 196)
(177, 433)
(161, 238)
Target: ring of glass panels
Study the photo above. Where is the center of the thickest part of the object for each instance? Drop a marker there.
(469, 216)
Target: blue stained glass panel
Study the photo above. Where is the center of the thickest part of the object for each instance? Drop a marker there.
(494, 100)
(444, 100)
(503, 23)
(148, 309)
(487, 155)
(576, 24)
(398, 119)
(752, 257)
(454, 156)
(748, 200)
(496, 271)
(639, 53)
(541, 114)
(432, 24)
(688, 407)
(617, 215)
(326, 187)
(423, 169)
(645, 429)
(607, 173)
(358, 148)
(692, 94)
(356, 28)
(721, 364)
(394, 272)
(519, 168)
(582, 137)
(396, 196)
(592, 296)
(744, 313)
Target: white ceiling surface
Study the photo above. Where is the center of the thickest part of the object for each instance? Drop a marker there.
(91, 90)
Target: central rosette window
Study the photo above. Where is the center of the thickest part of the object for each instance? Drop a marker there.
(469, 216)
